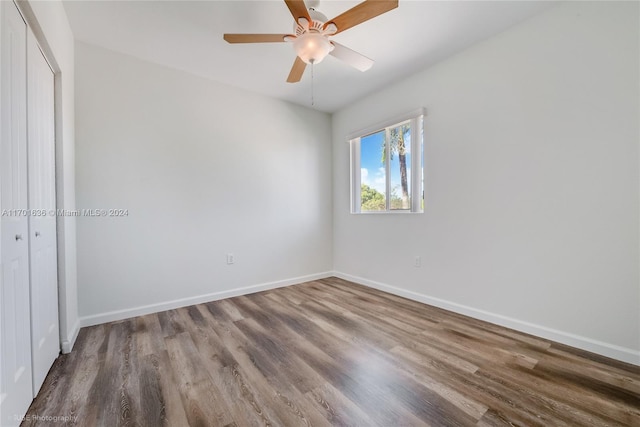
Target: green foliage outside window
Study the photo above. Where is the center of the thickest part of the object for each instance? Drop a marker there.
(371, 199)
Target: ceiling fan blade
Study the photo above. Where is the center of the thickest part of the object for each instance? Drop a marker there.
(298, 9)
(363, 12)
(296, 71)
(351, 57)
(254, 38)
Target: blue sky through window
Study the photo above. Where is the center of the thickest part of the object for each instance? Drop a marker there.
(372, 170)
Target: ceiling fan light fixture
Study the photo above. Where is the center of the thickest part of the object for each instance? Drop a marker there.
(312, 48)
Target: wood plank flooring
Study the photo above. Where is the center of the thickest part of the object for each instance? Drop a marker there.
(328, 352)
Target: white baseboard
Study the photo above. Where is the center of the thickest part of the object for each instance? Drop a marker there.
(605, 349)
(112, 316)
(67, 345)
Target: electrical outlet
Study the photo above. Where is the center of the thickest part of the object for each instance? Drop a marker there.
(417, 262)
(230, 259)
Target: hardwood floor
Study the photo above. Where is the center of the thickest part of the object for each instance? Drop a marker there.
(328, 352)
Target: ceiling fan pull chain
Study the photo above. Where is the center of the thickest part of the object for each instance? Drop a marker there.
(312, 97)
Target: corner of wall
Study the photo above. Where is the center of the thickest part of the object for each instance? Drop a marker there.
(70, 340)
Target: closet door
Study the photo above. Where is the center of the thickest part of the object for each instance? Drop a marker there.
(15, 343)
(45, 339)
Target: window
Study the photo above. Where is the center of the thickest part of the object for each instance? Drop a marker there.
(387, 166)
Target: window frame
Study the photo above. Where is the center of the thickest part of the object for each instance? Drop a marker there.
(416, 120)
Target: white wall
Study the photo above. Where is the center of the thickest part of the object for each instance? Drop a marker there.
(48, 21)
(532, 182)
(203, 169)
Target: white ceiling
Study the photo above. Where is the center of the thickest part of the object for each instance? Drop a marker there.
(187, 35)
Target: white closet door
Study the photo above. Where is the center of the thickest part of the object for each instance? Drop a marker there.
(45, 340)
(15, 343)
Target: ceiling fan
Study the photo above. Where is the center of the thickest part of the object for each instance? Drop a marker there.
(313, 30)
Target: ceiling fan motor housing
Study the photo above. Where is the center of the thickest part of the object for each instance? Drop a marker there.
(317, 22)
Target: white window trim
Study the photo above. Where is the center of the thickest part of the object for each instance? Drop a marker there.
(416, 166)
(414, 114)
(417, 178)
(356, 200)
